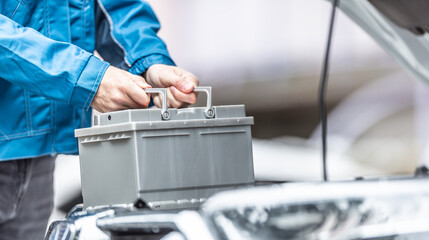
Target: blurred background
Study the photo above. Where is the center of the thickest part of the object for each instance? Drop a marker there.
(268, 56)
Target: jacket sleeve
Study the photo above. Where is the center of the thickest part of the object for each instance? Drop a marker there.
(132, 26)
(53, 69)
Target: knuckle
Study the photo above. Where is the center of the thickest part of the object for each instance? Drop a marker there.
(139, 78)
(136, 78)
(177, 81)
(117, 98)
(111, 107)
(121, 87)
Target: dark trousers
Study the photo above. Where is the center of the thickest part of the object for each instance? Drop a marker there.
(26, 197)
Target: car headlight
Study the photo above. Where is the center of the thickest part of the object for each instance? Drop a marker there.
(61, 230)
(79, 224)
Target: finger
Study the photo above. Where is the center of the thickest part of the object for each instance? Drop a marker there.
(143, 85)
(157, 101)
(138, 95)
(131, 104)
(140, 81)
(123, 101)
(190, 98)
(173, 102)
(182, 80)
(113, 106)
(190, 78)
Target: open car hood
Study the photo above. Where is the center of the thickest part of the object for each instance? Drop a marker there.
(398, 26)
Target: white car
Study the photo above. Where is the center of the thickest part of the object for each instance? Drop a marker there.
(366, 209)
(394, 209)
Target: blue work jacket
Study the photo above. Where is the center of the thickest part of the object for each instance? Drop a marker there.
(48, 73)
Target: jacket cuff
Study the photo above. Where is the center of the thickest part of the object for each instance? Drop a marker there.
(141, 65)
(88, 83)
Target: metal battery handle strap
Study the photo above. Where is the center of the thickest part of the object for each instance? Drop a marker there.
(163, 92)
(209, 111)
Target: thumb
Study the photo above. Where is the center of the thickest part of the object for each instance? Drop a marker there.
(141, 82)
(181, 81)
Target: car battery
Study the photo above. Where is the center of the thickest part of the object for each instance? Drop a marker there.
(165, 158)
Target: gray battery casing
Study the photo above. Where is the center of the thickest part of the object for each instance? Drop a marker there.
(135, 154)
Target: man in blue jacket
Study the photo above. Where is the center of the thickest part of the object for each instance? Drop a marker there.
(50, 79)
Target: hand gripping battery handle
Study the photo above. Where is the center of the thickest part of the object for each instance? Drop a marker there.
(165, 114)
